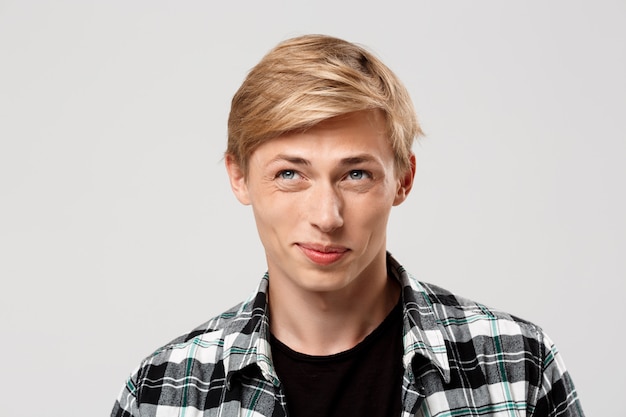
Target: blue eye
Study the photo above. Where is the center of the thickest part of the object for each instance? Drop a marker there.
(357, 174)
(287, 174)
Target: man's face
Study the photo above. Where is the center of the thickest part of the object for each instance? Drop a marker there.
(321, 200)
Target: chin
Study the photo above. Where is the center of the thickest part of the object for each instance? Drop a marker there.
(324, 281)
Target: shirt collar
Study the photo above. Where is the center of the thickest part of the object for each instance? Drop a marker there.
(423, 333)
(247, 338)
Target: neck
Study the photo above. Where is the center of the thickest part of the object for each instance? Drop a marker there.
(325, 323)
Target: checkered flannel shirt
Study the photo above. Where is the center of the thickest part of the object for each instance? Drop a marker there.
(460, 359)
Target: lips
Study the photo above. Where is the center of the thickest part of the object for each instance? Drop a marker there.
(322, 254)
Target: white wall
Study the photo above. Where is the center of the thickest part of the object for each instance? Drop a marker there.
(118, 231)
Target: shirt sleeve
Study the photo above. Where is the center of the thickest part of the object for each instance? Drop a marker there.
(557, 395)
(126, 403)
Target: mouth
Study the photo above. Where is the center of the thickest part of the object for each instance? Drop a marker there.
(322, 254)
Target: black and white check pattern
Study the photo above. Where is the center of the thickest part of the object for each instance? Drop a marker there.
(460, 358)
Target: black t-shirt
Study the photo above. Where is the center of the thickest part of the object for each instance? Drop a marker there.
(363, 381)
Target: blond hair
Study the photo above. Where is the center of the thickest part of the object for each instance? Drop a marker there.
(308, 79)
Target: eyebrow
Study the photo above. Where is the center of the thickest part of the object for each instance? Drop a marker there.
(358, 159)
(290, 158)
(351, 160)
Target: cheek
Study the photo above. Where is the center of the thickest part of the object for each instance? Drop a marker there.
(371, 212)
(274, 214)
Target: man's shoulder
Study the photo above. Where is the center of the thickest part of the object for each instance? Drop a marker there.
(211, 328)
(196, 366)
(459, 314)
(487, 352)
(205, 342)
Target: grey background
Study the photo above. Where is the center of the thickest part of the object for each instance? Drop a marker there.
(118, 230)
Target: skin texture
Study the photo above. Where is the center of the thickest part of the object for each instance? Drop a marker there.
(321, 200)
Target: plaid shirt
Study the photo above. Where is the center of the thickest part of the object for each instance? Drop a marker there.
(460, 359)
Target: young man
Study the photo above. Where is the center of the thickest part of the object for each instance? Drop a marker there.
(319, 144)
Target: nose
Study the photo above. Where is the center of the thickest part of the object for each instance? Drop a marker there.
(326, 208)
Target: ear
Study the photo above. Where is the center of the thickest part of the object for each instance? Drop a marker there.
(237, 180)
(405, 182)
